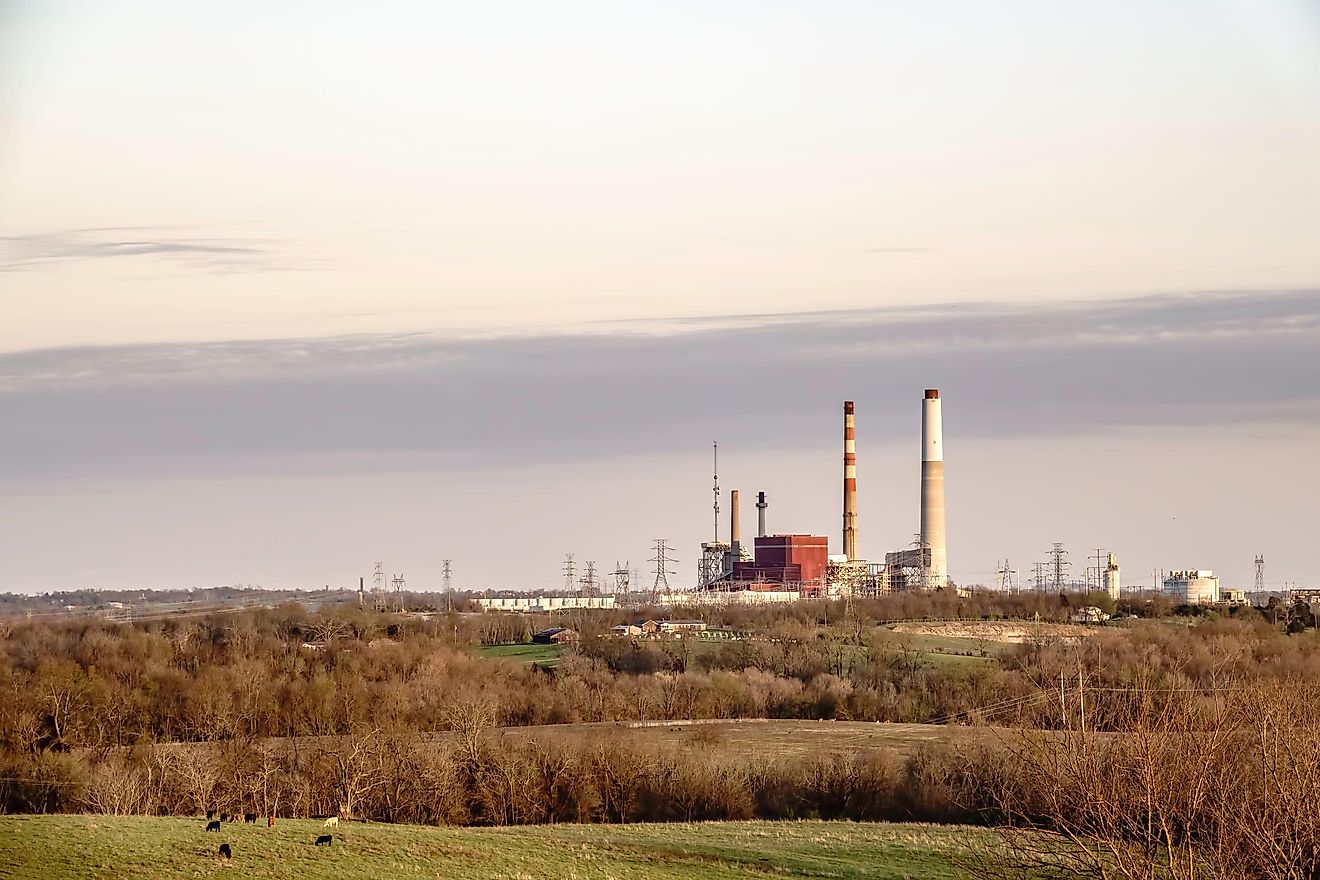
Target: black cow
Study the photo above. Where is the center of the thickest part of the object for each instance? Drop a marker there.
(224, 817)
(325, 840)
(225, 851)
(210, 814)
(250, 818)
(213, 825)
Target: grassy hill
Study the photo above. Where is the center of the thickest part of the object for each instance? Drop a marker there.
(56, 847)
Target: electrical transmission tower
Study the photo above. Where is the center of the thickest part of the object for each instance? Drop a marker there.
(588, 581)
(378, 587)
(1005, 577)
(569, 569)
(1260, 575)
(662, 561)
(397, 583)
(620, 583)
(1058, 566)
(445, 574)
(1038, 576)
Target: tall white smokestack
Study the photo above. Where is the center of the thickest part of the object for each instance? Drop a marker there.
(932, 489)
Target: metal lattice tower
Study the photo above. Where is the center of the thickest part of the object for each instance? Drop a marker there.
(588, 581)
(1260, 574)
(621, 578)
(1005, 577)
(923, 554)
(1058, 566)
(569, 570)
(1038, 576)
(398, 584)
(378, 587)
(662, 561)
(445, 574)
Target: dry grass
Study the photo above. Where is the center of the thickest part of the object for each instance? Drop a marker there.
(773, 738)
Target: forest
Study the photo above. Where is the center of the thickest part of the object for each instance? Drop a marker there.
(395, 718)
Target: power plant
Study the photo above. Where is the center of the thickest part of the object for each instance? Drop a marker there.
(786, 566)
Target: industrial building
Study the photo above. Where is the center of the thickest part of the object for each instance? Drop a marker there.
(789, 566)
(1192, 586)
(542, 604)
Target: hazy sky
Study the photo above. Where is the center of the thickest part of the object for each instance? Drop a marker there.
(288, 288)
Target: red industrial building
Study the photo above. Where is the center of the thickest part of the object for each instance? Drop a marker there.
(786, 559)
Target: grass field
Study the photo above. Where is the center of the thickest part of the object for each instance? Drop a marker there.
(59, 847)
(544, 655)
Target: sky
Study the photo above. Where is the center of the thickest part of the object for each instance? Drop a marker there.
(286, 290)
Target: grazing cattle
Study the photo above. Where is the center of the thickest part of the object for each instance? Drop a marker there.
(210, 814)
(325, 840)
(332, 822)
(224, 817)
(270, 821)
(250, 818)
(225, 851)
(213, 825)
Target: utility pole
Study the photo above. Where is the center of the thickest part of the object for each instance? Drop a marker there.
(1101, 558)
(398, 583)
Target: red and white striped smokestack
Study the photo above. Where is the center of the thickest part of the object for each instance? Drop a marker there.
(849, 483)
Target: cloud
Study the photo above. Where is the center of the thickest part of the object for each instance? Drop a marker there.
(24, 253)
(766, 382)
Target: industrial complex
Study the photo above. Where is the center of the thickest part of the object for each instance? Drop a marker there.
(786, 566)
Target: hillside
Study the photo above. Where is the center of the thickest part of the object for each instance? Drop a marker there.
(56, 847)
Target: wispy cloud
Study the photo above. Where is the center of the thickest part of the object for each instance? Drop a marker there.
(26, 253)
(1184, 362)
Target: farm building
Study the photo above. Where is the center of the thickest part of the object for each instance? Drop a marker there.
(557, 635)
